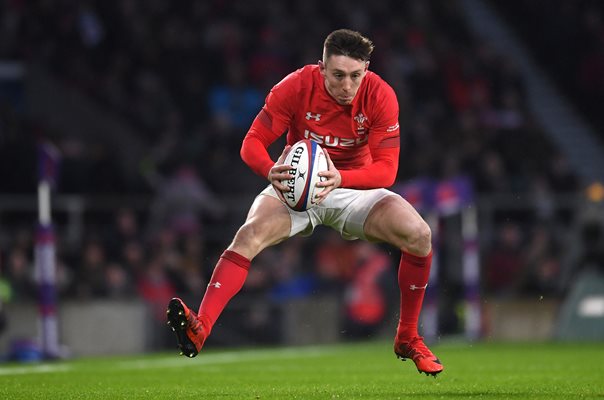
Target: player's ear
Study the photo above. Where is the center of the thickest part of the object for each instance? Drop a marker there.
(366, 65)
(322, 67)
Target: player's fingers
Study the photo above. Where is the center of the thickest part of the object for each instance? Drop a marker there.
(279, 172)
(280, 169)
(284, 153)
(331, 178)
(279, 184)
(330, 165)
(326, 181)
(323, 195)
(279, 188)
(332, 171)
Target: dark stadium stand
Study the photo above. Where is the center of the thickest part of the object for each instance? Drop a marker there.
(188, 77)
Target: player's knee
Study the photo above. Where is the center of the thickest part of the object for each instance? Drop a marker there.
(420, 239)
(253, 237)
(249, 236)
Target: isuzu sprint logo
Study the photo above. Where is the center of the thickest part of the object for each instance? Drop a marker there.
(335, 141)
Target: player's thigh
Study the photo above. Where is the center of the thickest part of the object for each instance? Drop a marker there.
(268, 222)
(393, 220)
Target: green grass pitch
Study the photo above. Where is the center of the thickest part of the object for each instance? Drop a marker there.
(345, 371)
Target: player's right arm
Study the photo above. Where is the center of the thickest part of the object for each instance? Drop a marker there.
(272, 121)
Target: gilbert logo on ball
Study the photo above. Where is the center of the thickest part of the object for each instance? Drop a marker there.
(306, 159)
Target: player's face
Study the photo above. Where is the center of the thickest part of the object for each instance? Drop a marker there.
(343, 76)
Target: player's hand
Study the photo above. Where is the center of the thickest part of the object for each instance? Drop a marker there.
(331, 179)
(280, 172)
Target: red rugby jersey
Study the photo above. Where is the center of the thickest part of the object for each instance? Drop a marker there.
(362, 138)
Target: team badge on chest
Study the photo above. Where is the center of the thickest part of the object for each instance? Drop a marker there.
(360, 119)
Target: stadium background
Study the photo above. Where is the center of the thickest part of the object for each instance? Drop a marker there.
(148, 102)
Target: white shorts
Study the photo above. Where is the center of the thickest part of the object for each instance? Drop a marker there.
(344, 210)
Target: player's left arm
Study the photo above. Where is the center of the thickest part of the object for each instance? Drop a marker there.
(381, 173)
(384, 144)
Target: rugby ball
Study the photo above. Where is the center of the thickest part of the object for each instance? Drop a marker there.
(306, 159)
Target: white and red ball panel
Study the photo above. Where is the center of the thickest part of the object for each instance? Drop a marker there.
(307, 159)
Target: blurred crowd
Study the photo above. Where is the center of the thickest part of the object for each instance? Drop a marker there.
(119, 263)
(576, 30)
(191, 75)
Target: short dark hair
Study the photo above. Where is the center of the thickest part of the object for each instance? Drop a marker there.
(345, 42)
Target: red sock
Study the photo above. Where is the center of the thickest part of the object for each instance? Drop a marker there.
(227, 279)
(413, 273)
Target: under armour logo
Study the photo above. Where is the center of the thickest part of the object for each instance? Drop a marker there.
(310, 115)
(302, 175)
(413, 287)
(217, 285)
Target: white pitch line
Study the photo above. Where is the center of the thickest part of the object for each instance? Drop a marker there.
(34, 369)
(230, 357)
(175, 361)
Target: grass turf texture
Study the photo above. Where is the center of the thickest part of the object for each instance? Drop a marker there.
(347, 371)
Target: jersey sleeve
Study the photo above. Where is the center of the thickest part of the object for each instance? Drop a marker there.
(271, 122)
(384, 145)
